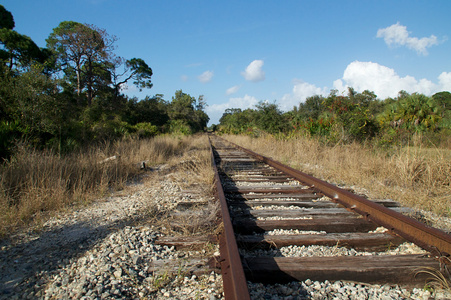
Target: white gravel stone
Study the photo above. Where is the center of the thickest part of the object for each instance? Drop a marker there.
(100, 251)
(292, 232)
(339, 290)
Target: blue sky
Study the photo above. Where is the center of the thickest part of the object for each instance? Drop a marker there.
(237, 53)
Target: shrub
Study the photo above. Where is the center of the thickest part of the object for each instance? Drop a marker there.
(110, 129)
(180, 127)
(145, 130)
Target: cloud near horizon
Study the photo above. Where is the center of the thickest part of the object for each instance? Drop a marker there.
(385, 82)
(238, 102)
(381, 80)
(215, 111)
(254, 72)
(301, 91)
(397, 35)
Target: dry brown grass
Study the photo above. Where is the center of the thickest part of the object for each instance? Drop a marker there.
(193, 213)
(415, 176)
(193, 172)
(35, 183)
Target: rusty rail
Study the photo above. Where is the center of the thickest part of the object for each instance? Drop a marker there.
(431, 239)
(234, 280)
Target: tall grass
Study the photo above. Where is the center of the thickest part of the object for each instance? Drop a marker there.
(34, 183)
(416, 176)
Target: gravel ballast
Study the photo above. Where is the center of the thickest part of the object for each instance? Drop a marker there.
(107, 250)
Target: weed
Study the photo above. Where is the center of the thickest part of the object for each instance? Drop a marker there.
(160, 280)
(436, 279)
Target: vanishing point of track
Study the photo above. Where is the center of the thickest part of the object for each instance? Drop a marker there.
(253, 191)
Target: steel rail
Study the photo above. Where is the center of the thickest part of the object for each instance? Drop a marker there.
(234, 280)
(431, 239)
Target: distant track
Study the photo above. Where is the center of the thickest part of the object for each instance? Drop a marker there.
(255, 192)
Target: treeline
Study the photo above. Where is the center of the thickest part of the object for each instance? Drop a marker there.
(70, 93)
(352, 117)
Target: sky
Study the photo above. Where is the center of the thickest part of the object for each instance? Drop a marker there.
(238, 53)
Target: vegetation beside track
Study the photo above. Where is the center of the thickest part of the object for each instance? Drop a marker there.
(36, 183)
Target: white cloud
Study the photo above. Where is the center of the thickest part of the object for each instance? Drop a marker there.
(254, 72)
(301, 91)
(232, 90)
(184, 78)
(385, 82)
(215, 111)
(239, 102)
(397, 35)
(205, 76)
(444, 80)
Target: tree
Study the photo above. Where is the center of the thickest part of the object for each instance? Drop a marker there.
(135, 69)
(233, 120)
(365, 99)
(6, 18)
(312, 107)
(82, 48)
(183, 108)
(18, 50)
(32, 102)
(227, 113)
(201, 118)
(149, 110)
(443, 99)
(352, 117)
(415, 111)
(268, 117)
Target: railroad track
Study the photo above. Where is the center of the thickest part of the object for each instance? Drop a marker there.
(268, 207)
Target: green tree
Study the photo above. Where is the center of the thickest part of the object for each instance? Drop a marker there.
(187, 110)
(150, 109)
(140, 72)
(6, 18)
(134, 69)
(269, 118)
(181, 106)
(32, 101)
(83, 49)
(200, 117)
(311, 108)
(415, 111)
(17, 50)
(233, 120)
(443, 99)
(352, 117)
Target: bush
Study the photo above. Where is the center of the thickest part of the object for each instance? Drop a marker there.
(110, 129)
(179, 127)
(321, 127)
(145, 130)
